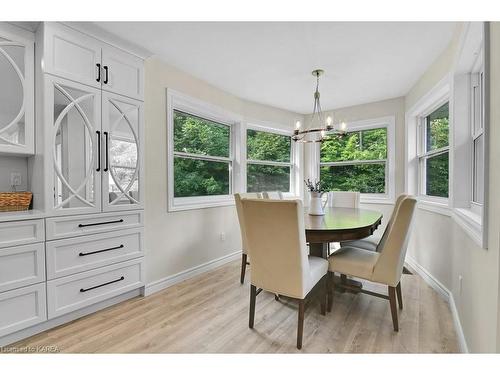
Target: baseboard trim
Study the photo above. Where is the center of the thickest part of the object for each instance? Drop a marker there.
(168, 281)
(446, 294)
(44, 326)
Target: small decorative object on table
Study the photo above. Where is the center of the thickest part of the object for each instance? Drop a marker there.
(15, 201)
(316, 191)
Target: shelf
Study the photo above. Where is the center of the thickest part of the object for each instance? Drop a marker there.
(21, 215)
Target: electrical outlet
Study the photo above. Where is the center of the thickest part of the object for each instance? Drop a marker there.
(460, 282)
(222, 236)
(15, 179)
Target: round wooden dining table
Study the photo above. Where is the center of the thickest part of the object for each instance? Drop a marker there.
(339, 224)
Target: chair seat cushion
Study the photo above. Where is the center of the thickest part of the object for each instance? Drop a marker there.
(318, 267)
(369, 243)
(353, 261)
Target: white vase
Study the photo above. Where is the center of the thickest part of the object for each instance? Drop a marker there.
(316, 206)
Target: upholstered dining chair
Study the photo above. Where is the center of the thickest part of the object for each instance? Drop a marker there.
(348, 199)
(276, 242)
(244, 251)
(272, 195)
(383, 267)
(375, 243)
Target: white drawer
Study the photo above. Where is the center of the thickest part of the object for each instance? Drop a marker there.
(21, 266)
(74, 292)
(14, 233)
(81, 225)
(72, 255)
(22, 308)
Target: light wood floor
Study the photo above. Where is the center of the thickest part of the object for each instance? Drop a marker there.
(210, 314)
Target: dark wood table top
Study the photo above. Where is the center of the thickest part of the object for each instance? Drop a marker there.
(341, 224)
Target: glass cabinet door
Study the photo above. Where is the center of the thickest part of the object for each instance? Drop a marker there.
(16, 95)
(122, 134)
(74, 144)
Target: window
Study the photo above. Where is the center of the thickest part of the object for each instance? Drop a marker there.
(477, 138)
(434, 152)
(360, 160)
(269, 161)
(202, 156)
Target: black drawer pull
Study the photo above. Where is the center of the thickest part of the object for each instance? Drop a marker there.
(101, 251)
(98, 79)
(98, 169)
(101, 223)
(98, 286)
(106, 76)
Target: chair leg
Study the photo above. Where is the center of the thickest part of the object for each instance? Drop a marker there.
(243, 267)
(324, 294)
(394, 311)
(253, 297)
(330, 286)
(300, 325)
(343, 280)
(399, 295)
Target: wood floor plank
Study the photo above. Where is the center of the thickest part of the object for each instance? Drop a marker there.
(209, 314)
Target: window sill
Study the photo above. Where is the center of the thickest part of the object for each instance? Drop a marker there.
(438, 206)
(197, 203)
(471, 223)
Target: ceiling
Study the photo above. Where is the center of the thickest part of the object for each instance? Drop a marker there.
(271, 63)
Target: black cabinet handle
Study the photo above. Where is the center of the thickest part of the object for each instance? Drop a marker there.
(98, 169)
(98, 79)
(106, 139)
(101, 251)
(101, 223)
(106, 75)
(82, 290)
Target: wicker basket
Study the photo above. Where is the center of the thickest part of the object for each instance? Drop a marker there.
(15, 201)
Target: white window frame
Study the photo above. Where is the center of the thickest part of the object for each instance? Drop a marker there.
(387, 122)
(477, 80)
(424, 155)
(471, 216)
(182, 102)
(293, 163)
(438, 95)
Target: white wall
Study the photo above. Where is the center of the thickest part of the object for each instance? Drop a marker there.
(9, 164)
(178, 241)
(444, 249)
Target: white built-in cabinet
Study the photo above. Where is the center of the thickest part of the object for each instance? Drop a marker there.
(81, 58)
(16, 91)
(96, 125)
(85, 244)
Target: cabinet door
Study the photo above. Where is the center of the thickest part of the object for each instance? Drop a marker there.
(123, 173)
(73, 121)
(71, 54)
(16, 91)
(123, 73)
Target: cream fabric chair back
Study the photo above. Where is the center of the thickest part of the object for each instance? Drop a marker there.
(237, 200)
(272, 195)
(390, 222)
(389, 266)
(277, 245)
(348, 199)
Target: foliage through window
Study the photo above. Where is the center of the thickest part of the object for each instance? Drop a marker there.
(355, 162)
(202, 156)
(269, 161)
(434, 163)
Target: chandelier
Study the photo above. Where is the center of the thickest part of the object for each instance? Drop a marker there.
(318, 128)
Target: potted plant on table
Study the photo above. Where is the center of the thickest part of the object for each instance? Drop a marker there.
(316, 191)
